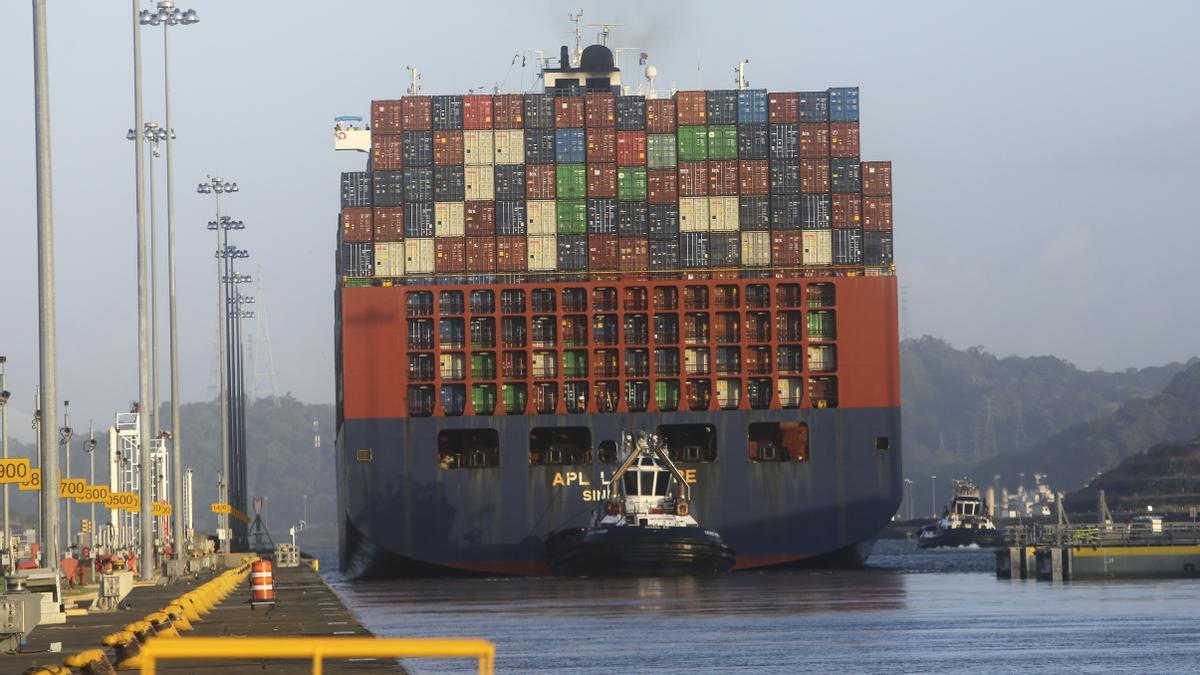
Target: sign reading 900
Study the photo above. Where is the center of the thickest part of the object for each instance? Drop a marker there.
(14, 470)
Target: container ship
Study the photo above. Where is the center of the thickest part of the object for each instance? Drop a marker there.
(523, 278)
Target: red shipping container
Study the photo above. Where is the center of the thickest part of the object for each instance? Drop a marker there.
(387, 152)
(568, 112)
(479, 218)
(477, 111)
(481, 254)
(508, 111)
(660, 116)
(814, 175)
(603, 253)
(662, 186)
(783, 107)
(634, 254)
(601, 180)
(723, 177)
(693, 179)
(877, 213)
(631, 148)
(814, 140)
(601, 145)
(787, 248)
(389, 223)
(846, 211)
(386, 117)
(447, 148)
(843, 139)
(417, 113)
(541, 181)
(691, 108)
(449, 254)
(356, 223)
(601, 109)
(754, 176)
(877, 178)
(510, 254)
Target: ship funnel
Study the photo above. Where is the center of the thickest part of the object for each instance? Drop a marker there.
(564, 58)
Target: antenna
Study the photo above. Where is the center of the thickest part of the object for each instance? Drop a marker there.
(414, 75)
(740, 71)
(576, 19)
(603, 34)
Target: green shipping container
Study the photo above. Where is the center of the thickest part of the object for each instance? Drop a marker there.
(660, 151)
(483, 398)
(514, 396)
(575, 364)
(723, 142)
(572, 181)
(693, 144)
(352, 282)
(631, 183)
(483, 366)
(572, 216)
(821, 325)
(666, 394)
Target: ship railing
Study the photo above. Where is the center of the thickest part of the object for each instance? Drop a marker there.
(316, 650)
(1096, 535)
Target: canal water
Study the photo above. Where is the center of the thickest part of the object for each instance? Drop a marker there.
(910, 612)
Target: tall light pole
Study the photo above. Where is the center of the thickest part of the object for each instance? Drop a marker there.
(91, 452)
(217, 186)
(933, 494)
(908, 497)
(147, 564)
(64, 439)
(47, 347)
(237, 405)
(4, 442)
(168, 15)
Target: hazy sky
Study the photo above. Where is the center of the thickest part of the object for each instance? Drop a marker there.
(1046, 157)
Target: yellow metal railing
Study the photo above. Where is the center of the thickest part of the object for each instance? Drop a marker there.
(317, 649)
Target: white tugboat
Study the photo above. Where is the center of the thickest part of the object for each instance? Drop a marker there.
(645, 528)
(964, 523)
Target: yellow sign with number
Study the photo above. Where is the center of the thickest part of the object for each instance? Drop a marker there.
(94, 494)
(161, 509)
(72, 488)
(34, 482)
(15, 470)
(221, 508)
(123, 501)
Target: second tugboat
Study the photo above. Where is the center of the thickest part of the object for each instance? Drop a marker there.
(645, 528)
(965, 522)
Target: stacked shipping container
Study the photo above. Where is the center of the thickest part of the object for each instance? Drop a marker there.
(721, 183)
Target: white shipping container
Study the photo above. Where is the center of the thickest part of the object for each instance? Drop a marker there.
(541, 217)
(448, 219)
(418, 255)
(453, 366)
(729, 393)
(510, 146)
(543, 252)
(480, 182)
(693, 214)
(791, 391)
(723, 214)
(818, 247)
(389, 259)
(478, 147)
(756, 248)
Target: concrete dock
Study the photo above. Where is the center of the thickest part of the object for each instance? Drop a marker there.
(306, 607)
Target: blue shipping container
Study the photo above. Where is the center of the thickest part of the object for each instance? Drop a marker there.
(633, 219)
(539, 111)
(510, 181)
(356, 188)
(449, 184)
(815, 211)
(877, 248)
(447, 113)
(785, 141)
(388, 188)
(752, 106)
(847, 247)
(721, 106)
(569, 146)
(754, 141)
(754, 213)
(539, 146)
(510, 218)
(418, 184)
(358, 259)
(418, 219)
(845, 174)
(843, 104)
(785, 212)
(602, 216)
(814, 106)
(785, 177)
(664, 222)
(664, 254)
(572, 252)
(693, 249)
(417, 148)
